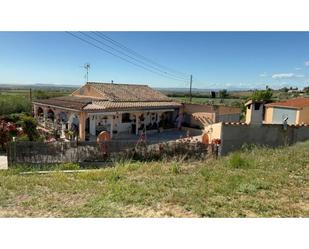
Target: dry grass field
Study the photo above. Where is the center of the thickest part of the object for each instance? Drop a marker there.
(259, 182)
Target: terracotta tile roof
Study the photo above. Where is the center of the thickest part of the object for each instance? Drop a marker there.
(109, 105)
(128, 92)
(114, 97)
(71, 102)
(234, 123)
(225, 110)
(296, 103)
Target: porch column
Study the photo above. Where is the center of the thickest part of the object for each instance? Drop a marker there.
(70, 120)
(92, 124)
(62, 130)
(137, 122)
(57, 117)
(35, 111)
(44, 116)
(158, 117)
(112, 126)
(82, 126)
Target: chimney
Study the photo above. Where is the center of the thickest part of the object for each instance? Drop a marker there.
(254, 112)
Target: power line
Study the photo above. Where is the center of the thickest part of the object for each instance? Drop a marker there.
(141, 59)
(107, 38)
(131, 57)
(120, 57)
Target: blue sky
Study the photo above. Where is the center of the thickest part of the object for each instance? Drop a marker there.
(215, 59)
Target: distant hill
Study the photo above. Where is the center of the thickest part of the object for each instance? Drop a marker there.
(38, 86)
(73, 87)
(199, 90)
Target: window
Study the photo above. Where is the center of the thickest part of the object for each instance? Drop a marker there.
(257, 106)
(125, 118)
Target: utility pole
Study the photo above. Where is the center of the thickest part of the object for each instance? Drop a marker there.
(190, 88)
(87, 67)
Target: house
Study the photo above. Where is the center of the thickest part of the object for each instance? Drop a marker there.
(199, 115)
(116, 108)
(296, 111)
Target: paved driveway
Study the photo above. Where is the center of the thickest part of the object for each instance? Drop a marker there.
(3, 162)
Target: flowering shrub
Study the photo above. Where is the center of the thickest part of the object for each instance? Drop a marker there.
(216, 141)
(7, 131)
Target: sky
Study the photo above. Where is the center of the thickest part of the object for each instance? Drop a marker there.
(232, 60)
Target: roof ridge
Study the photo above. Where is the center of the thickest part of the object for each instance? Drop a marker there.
(124, 84)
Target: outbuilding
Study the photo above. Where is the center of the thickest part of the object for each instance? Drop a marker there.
(295, 111)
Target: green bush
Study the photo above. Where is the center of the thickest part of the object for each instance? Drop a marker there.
(23, 137)
(68, 166)
(236, 160)
(29, 125)
(16, 117)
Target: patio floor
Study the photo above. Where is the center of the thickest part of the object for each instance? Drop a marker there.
(164, 136)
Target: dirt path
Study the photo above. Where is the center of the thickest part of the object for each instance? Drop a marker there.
(3, 162)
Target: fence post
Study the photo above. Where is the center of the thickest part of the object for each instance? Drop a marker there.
(8, 154)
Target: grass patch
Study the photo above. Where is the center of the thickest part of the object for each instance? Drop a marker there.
(238, 161)
(260, 182)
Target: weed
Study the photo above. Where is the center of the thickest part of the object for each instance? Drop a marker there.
(247, 188)
(114, 176)
(176, 169)
(238, 161)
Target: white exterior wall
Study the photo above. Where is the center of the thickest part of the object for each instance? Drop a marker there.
(280, 113)
(106, 121)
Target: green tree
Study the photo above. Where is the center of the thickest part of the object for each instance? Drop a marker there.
(262, 95)
(284, 89)
(29, 125)
(223, 94)
(306, 89)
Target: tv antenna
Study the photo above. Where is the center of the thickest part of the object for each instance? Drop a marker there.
(87, 67)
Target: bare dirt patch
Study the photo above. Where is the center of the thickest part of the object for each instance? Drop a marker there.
(160, 210)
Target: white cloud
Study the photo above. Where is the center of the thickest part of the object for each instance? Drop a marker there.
(307, 63)
(283, 76)
(297, 68)
(287, 76)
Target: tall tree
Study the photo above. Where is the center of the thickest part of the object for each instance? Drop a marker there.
(262, 95)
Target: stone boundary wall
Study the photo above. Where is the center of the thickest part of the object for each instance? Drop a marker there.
(62, 152)
(25, 153)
